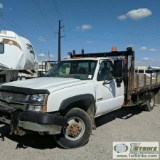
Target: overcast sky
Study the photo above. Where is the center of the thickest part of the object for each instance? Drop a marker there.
(92, 25)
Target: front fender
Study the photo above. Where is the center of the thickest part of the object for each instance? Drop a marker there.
(65, 103)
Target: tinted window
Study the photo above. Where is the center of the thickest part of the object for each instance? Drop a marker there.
(141, 71)
(1, 48)
(149, 71)
(105, 71)
(156, 71)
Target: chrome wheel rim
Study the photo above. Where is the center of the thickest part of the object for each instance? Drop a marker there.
(75, 129)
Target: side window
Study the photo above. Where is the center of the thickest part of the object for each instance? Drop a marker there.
(1, 48)
(148, 71)
(141, 71)
(105, 71)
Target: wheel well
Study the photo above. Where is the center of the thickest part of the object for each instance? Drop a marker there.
(145, 95)
(156, 91)
(86, 105)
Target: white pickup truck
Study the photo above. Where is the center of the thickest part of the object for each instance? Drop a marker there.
(73, 93)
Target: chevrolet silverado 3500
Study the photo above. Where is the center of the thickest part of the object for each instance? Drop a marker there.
(73, 93)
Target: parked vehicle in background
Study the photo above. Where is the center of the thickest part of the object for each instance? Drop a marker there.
(147, 72)
(16, 54)
(43, 68)
(74, 92)
(155, 69)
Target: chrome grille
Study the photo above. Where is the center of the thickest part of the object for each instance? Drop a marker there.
(14, 96)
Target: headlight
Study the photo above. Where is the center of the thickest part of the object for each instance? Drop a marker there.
(38, 102)
(38, 97)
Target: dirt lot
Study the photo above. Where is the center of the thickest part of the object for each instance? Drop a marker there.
(127, 124)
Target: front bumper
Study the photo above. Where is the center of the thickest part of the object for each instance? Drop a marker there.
(33, 121)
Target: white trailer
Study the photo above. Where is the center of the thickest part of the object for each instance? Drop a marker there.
(16, 53)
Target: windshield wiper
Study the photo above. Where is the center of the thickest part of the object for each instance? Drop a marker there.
(47, 76)
(77, 77)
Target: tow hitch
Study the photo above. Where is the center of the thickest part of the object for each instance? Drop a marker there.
(14, 123)
(19, 132)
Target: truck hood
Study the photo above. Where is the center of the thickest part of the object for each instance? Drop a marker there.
(50, 83)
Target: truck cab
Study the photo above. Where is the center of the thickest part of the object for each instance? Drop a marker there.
(97, 76)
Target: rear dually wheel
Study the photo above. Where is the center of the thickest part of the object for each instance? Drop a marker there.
(150, 102)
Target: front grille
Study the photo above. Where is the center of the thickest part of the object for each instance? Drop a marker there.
(12, 105)
(12, 100)
(13, 96)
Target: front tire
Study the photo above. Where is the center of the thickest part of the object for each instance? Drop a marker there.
(77, 131)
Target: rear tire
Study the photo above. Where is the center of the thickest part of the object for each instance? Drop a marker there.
(78, 131)
(150, 102)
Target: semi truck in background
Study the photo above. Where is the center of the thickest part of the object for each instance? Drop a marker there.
(17, 56)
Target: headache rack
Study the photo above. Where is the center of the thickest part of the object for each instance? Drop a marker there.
(114, 52)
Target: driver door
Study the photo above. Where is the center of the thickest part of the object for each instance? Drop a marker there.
(108, 96)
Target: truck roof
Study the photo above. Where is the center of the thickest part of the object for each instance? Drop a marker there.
(86, 58)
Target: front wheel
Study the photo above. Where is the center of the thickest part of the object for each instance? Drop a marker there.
(77, 131)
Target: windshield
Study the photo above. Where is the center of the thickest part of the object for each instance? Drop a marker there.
(80, 69)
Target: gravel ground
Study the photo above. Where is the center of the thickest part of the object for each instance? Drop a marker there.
(127, 124)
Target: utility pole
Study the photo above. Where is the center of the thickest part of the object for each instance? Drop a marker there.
(48, 56)
(59, 39)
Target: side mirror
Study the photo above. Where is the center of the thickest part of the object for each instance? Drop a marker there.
(118, 81)
(117, 69)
